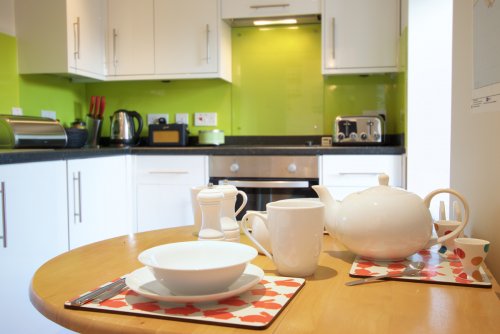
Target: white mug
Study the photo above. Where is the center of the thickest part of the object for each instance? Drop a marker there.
(296, 234)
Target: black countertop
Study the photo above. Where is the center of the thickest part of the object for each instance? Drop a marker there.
(235, 145)
(34, 155)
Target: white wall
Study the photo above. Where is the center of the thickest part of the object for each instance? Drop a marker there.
(7, 17)
(429, 96)
(475, 152)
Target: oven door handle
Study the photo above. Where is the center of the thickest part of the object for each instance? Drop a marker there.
(266, 184)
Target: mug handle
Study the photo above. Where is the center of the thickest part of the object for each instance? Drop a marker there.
(245, 200)
(250, 236)
(465, 220)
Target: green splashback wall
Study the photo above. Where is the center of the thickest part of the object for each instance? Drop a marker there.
(277, 89)
(9, 80)
(277, 81)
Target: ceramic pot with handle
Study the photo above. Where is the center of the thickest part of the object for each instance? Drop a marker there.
(385, 223)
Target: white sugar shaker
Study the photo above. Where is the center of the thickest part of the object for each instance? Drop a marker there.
(210, 201)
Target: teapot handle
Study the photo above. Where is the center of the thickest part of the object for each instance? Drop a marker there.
(465, 220)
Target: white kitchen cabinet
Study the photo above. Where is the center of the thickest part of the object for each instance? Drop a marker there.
(345, 174)
(99, 199)
(235, 9)
(162, 189)
(34, 229)
(130, 47)
(360, 36)
(191, 41)
(61, 36)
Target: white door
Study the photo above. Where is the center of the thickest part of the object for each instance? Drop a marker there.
(360, 35)
(130, 37)
(33, 229)
(98, 197)
(186, 34)
(86, 35)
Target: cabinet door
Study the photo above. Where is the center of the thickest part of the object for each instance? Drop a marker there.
(186, 34)
(360, 36)
(99, 202)
(86, 35)
(33, 229)
(163, 189)
(130, 37)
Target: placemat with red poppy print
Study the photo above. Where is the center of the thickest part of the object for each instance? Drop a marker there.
(255, 308)
(438, 269)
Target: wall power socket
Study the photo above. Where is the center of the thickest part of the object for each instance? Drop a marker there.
(205, 119)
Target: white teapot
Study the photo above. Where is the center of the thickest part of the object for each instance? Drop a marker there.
(384, 223)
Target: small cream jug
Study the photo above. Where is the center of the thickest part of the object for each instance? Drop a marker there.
(228, 214)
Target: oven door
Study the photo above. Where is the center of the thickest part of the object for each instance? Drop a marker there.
(261, 191)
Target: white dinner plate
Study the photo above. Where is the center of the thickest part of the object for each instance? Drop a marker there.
(144, 283)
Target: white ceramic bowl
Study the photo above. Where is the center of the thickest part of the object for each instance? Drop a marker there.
(197, 267)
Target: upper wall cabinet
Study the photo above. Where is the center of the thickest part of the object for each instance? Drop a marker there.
(61, 36)
(191, 41)
(236, 9)
(130, 47)
(360, 36)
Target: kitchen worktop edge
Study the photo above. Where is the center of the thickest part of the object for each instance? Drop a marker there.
(39, 155)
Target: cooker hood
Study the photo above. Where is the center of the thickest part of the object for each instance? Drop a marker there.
(274, 20)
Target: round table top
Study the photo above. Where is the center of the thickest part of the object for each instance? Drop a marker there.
(325, 304)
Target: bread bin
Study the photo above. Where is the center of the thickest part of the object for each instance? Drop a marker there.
(31, 132)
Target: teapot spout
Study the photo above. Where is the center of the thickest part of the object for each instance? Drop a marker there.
(331, 207)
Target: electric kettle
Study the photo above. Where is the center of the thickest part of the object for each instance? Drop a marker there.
(123, 128)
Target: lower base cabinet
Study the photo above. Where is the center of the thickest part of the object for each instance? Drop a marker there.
(99, 199)
(163, 189)
(33, 229)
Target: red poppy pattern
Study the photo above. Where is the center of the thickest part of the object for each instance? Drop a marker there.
(255, 308)
(438, 269)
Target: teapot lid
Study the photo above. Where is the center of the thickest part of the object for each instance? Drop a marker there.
(384, 189)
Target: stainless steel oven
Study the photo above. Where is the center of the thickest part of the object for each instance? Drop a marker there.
(266, 178)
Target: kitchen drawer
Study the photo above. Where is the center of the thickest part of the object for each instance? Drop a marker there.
(171, 169)
(361, 171)
(233, 9)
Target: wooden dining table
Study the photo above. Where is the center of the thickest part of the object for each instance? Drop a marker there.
(324, 304)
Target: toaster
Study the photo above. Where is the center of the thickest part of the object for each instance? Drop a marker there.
(31, 132)
(358, 129)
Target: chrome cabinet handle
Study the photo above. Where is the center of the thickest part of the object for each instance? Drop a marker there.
(78, 213)
(115, 60)
(270, 6)
(76, 36)
(4, 219)
(360, 173)
(333, 38)
(208, 43)
(169, 171)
